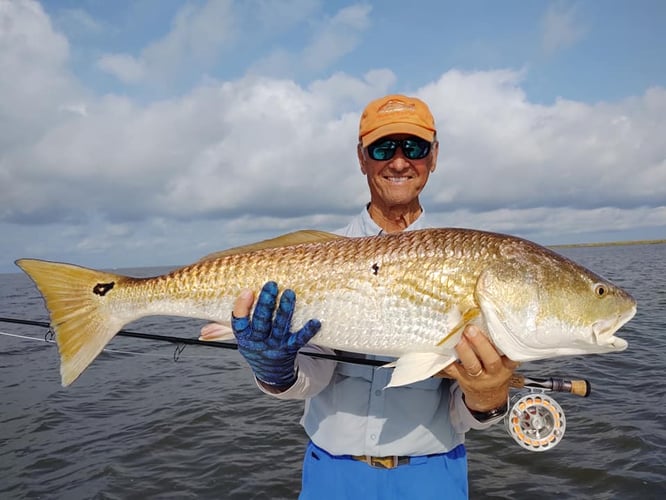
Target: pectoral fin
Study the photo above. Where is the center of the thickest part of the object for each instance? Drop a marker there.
(467, 316)
(216, 332)
(417, 366)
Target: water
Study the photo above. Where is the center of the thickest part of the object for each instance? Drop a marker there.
(143, 426)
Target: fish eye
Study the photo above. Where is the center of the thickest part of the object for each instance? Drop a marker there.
(600, 289)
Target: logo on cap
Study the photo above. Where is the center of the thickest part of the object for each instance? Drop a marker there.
(394, 106)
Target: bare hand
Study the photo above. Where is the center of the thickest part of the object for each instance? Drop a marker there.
(483, 374)
(218, 332)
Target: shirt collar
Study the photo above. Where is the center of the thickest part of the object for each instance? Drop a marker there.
(370, 227)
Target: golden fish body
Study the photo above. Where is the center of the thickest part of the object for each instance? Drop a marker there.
(406, 295)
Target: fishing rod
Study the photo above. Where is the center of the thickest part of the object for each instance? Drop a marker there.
(535, 420)
(577, 387)
(208, 343)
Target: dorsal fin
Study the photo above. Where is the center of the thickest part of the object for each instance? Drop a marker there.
(289, 239)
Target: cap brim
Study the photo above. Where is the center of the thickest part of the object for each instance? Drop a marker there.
(397, 128)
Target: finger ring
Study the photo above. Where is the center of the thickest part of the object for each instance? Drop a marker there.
(476, 374)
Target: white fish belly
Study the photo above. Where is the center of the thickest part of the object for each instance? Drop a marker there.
(379, 324)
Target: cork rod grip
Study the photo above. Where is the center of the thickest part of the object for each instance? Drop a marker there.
(577, 387)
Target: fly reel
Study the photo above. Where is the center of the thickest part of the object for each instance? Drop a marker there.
(535, 421)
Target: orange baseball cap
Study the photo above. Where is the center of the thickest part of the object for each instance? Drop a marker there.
(396, 114)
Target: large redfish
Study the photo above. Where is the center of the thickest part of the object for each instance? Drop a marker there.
(407, 295)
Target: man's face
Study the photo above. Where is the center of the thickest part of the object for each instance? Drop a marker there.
(398, 180)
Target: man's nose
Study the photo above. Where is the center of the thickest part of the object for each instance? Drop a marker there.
(399, 161)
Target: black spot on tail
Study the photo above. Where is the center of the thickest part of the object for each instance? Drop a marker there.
(102, 289)
(375, 269)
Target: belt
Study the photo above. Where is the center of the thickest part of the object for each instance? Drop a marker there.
(382, 462)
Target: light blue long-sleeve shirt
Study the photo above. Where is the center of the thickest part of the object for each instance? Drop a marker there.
(348, 411)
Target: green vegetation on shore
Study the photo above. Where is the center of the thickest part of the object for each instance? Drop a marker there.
(609, 244)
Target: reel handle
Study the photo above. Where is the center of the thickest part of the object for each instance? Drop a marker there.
(577, 387)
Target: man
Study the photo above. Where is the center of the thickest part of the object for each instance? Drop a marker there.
(366, 441)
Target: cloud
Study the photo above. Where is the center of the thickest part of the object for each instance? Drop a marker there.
(287, 145)
(203, 35)
(336, 37)
(234, 161)
(198, 35)
(125, 67)
(270, 17)
(568, 154)
(31, 53)
(78, 21)
(330, 40)
(561, 28)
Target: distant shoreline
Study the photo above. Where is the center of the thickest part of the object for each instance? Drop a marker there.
(609, 244)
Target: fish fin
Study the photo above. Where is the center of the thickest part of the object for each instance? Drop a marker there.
(75, 298)
(469, 315)
(417, 366)
(289, 239)
(216, 332)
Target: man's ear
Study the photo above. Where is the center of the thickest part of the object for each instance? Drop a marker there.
(435, 152)
(361, 157)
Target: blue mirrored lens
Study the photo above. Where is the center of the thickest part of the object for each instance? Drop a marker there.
(382, 151)
(413, 148)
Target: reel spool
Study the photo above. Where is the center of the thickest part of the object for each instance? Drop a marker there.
(535, 421)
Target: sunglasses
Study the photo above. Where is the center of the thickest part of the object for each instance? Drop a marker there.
(414, 148)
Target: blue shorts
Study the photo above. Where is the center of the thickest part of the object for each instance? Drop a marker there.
(339, 477)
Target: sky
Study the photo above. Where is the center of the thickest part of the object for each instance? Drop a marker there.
(153, 132)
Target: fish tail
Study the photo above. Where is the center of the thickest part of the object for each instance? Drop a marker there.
(77, 300)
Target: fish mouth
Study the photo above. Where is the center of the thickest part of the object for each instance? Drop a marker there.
(603, 331)
(613, 342)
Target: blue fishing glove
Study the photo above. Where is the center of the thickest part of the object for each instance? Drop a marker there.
(266, 343)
